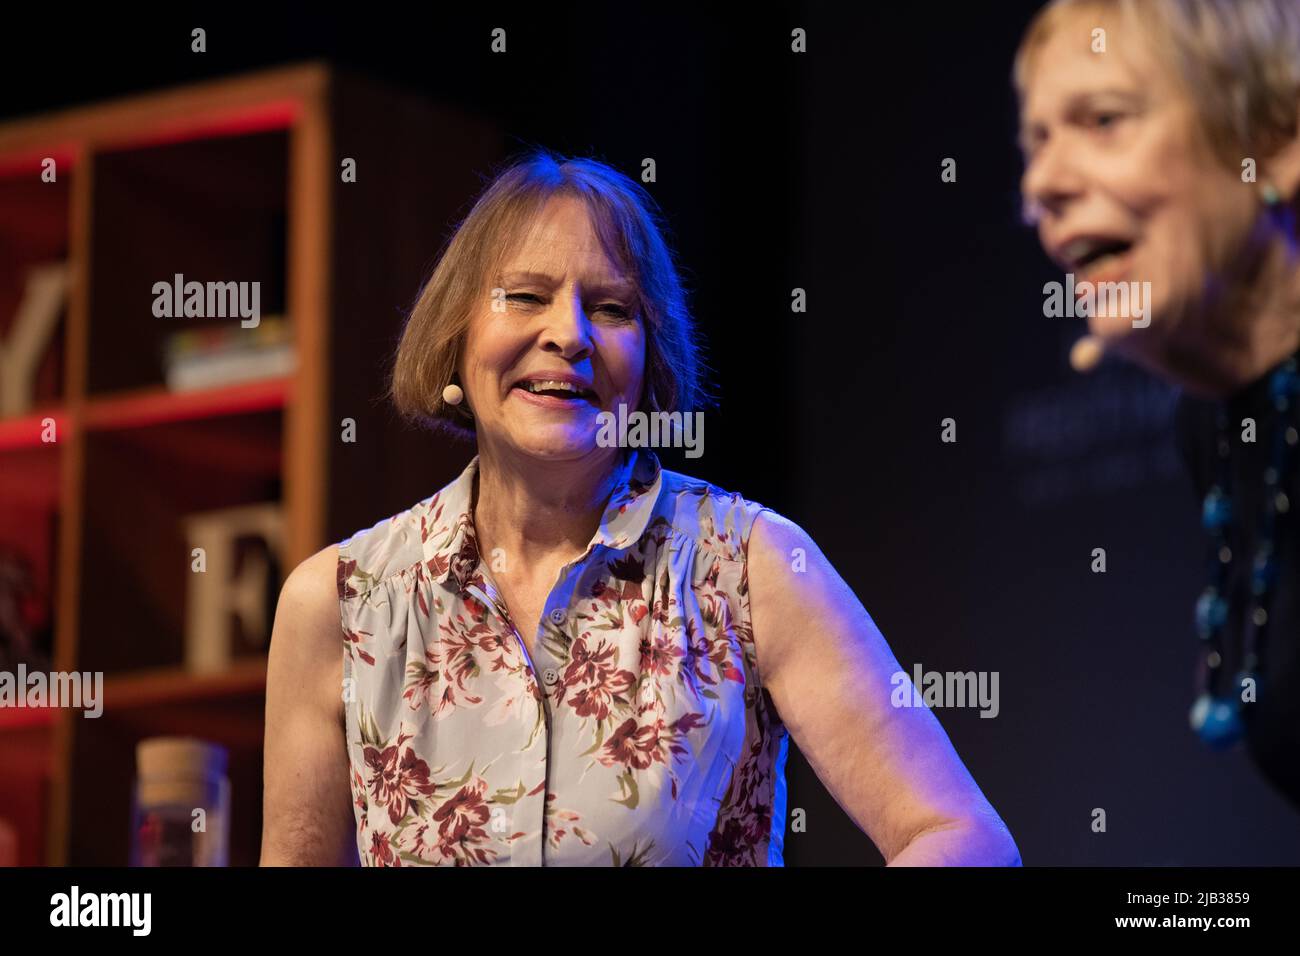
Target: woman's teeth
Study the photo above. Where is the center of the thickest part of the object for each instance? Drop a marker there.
(542, 386)
(1105, 262)
(1102, 261)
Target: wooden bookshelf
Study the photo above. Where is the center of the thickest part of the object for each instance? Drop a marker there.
(231, 179)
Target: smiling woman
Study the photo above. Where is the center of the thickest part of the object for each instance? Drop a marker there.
(571, 655)
(632, 290)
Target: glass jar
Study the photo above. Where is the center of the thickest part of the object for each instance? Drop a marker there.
(181, 805)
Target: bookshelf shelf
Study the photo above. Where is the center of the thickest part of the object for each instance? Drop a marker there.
(161, 686)
(156, 405)
(23, 718)
(25, 431)
(151, 688)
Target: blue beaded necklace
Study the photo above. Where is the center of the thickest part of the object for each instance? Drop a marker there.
(1217, 715)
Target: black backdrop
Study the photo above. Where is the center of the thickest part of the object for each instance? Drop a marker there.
(924, 302)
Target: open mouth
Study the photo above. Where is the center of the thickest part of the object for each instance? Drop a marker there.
(561, 391)
(1095, 255)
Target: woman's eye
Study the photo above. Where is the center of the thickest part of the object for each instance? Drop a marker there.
(529, 298)
(1105, 120)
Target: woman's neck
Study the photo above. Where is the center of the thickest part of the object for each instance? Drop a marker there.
(1258, 328)
(535, 510)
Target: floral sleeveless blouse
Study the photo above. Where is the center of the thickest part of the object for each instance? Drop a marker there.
(640, 733)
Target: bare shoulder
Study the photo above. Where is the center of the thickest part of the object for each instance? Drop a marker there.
(306, 802)
(311, 590)
(773, 535)
(306, 639)
(793, 586)
(786, 567)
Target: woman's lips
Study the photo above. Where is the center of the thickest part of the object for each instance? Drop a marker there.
(552, 401)
(1115, 268)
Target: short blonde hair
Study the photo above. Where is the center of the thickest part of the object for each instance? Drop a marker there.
(629, 226)
(1238, 60)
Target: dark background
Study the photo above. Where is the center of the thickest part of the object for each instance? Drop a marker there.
(822, 171)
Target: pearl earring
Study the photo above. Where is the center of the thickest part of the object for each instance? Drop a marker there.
(453, 394)
(1270, 194)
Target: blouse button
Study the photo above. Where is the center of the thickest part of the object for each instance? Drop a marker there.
(550, 677)
(558, 615)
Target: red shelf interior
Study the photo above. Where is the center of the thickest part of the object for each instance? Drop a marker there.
(157, 405)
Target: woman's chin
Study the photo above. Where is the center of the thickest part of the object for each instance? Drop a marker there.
(1113, 329)
(558, 443)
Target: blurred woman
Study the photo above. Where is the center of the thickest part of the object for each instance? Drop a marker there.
(1162, 146)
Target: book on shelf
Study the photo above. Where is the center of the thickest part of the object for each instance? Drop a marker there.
(228, 354)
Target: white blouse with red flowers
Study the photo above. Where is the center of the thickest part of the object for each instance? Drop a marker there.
(639, 733)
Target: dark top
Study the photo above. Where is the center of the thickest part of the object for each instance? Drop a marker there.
(1273, 719)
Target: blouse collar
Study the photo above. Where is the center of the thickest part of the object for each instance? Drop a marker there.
(447, 520)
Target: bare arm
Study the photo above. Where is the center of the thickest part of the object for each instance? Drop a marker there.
(307, 817)
(828, 670)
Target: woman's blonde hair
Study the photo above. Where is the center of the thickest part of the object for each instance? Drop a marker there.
(1239, 61)
(629, 226)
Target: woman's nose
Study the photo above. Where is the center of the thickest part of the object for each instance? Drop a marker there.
(1050, 180)
(568, 328)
